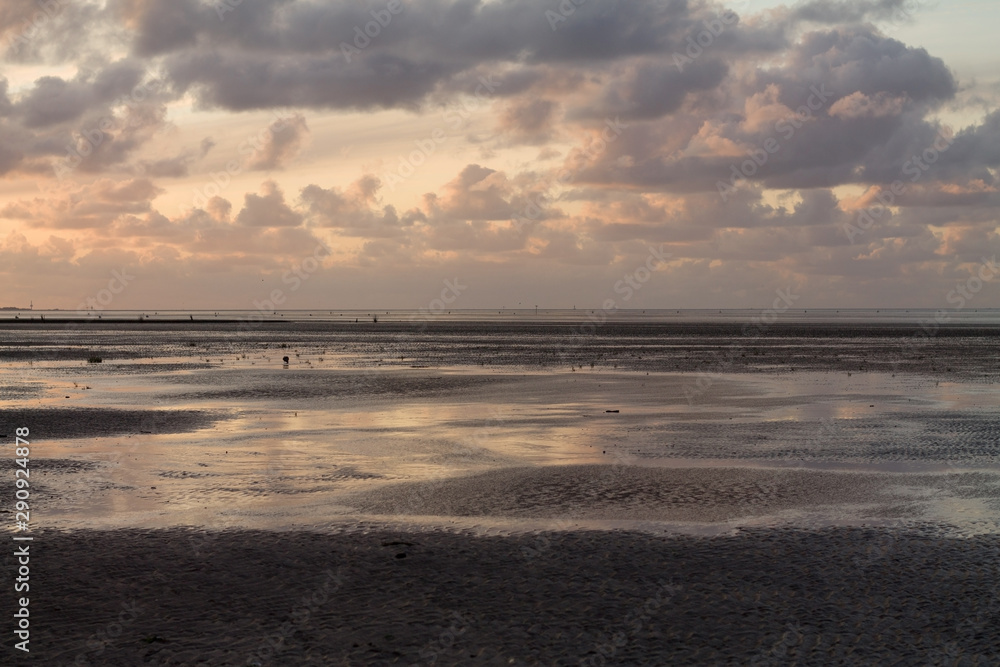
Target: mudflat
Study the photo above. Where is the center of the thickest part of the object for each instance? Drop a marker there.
(507, 493)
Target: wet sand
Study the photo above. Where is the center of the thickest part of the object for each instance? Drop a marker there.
(479, 495)
(847, 596)
(949, 350)
(694, 495)
(59, 423)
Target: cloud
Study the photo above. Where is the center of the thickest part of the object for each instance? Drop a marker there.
(293, 53)
(859, 105)
(849, 11)
(95, 121)
(477, 193)
(162, 26)
(529, 121)
(281, 144)
(354, 210)
(94, 206)
(654, 89)
(53, 31)
(805, 114)
(54, 100)
(842, 106)
(268, 209)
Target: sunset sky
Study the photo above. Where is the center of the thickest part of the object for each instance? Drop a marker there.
(534, 151)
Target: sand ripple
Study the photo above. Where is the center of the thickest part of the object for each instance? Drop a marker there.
(853, 596)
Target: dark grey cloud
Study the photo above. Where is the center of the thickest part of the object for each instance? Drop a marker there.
(266, 53)
(90, 123)
(11, 148)
(162, 26)
(851, 59)
(690, 120)
(6, 106)
(53, 100)
(455, 29)
(863, 101)
(975, 152)
(654, 89)
(239, 81)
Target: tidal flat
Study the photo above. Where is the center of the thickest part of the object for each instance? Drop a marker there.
(507, 493)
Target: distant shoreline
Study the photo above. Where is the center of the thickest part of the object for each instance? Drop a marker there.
(739, 330)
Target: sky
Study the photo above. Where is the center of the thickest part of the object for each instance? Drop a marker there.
(294, 154)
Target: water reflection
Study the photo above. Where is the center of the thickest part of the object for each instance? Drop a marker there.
(293, 460)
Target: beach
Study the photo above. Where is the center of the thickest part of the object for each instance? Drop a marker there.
(371, 596)
(508, 493)
(499, 332)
